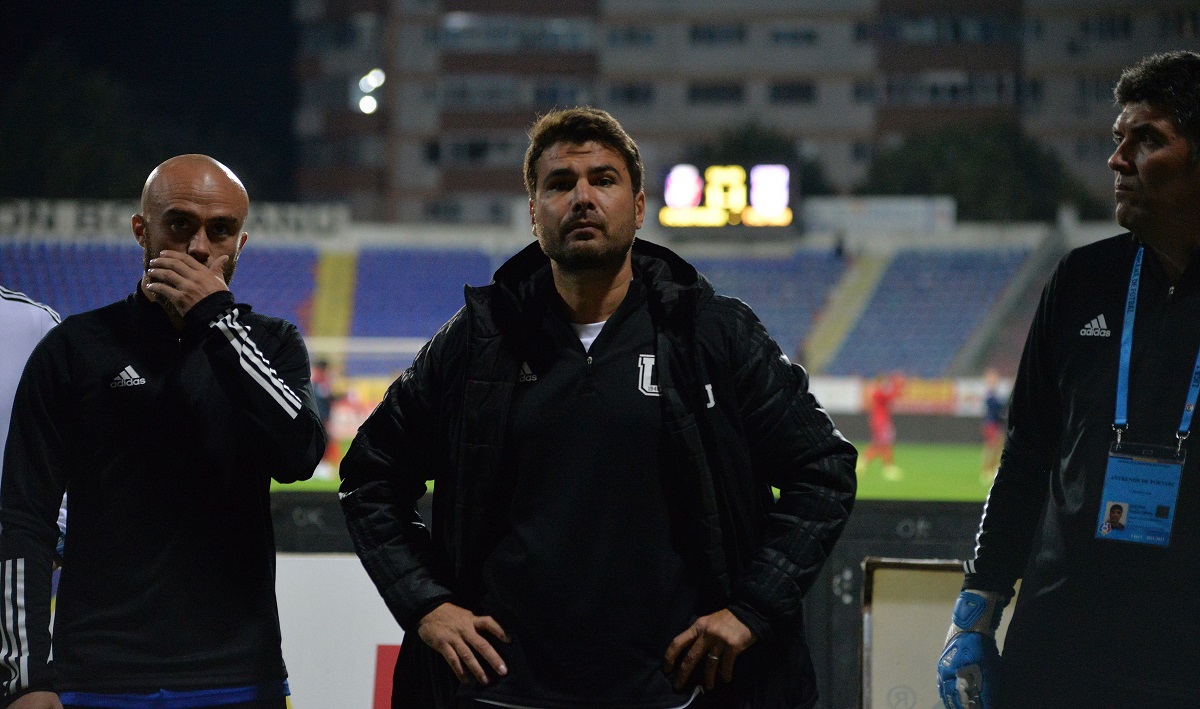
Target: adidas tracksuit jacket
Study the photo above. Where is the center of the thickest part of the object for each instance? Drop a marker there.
(167, 442)
(1097, 622)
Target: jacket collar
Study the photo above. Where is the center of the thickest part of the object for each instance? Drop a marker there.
(150, 316)
(672, 282)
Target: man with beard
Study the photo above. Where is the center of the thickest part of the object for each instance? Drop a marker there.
(1101, 412)
(604, 432)
(165, 416)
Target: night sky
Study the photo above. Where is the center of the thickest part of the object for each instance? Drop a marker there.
(212, 76)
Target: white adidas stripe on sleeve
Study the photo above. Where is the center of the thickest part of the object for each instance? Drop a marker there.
(14, 641)
(256, 365)
(20, 297)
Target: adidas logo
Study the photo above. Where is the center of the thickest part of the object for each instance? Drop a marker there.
(1096, 328)
(527, 374)
(127, 378)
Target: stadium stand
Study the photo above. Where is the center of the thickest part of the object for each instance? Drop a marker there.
(925, 306)
(73, 277)
(279, 281)
(409, 293)
(786, 293)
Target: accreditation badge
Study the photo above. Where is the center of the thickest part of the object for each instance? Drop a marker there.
(1141, 487)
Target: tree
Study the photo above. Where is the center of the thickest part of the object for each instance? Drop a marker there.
(94, 95)
(752, 144)
(994, 172)
(68, 131)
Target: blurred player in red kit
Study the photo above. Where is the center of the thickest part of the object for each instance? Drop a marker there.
(881, 395)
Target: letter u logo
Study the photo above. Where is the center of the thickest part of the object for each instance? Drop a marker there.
(646, 375)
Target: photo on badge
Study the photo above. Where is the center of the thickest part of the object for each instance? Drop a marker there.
(1114, 518)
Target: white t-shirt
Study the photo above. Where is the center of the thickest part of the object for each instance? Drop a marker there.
(587, 332)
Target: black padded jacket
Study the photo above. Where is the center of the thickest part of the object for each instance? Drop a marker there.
(444, 420)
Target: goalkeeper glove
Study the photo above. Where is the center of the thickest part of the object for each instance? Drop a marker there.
(968, 666)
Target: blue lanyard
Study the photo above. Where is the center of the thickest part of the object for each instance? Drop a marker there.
(1122, 417)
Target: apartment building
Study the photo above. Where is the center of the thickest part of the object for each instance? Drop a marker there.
(416, 110)
(1073, 53)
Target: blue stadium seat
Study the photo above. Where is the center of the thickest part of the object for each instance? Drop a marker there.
(925, 307)
(278, 280)
(412, 292)
(72, 277)
(406, 292)
(785, 293)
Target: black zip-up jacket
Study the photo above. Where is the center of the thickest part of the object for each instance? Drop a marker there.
(1111, 614)
(167, 442)
(444, 419)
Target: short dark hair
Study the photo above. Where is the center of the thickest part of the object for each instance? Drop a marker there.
(1170, 82)
(577, 126)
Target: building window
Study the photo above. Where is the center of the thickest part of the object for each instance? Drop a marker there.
(630, 36)
(1093, 149)
(862, 151)
(719, 34)
(1095, 89)
(480, 151)
(716, 93)
(793, 92)
(358, 151)
(443, 210)
(953, 88)
(1029, 95)
(632, 94)
(475, 32)
(1034, 28)
(865, 92)
(1109, 27)
(795, 35)
(1179, 24)
(962, 29)
(918, 30)
(358, 33)
(326, 92)
(549, 94)
(492, 92)
(474, 92)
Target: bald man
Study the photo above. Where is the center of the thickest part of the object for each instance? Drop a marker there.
(165, 416)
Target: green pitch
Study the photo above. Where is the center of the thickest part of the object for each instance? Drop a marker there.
(946, 472)
(935, 471)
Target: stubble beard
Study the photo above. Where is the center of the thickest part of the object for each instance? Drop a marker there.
(580, 257)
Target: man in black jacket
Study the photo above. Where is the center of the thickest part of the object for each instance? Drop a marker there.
(604, 432)
(165, 415)
(1101, 413)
